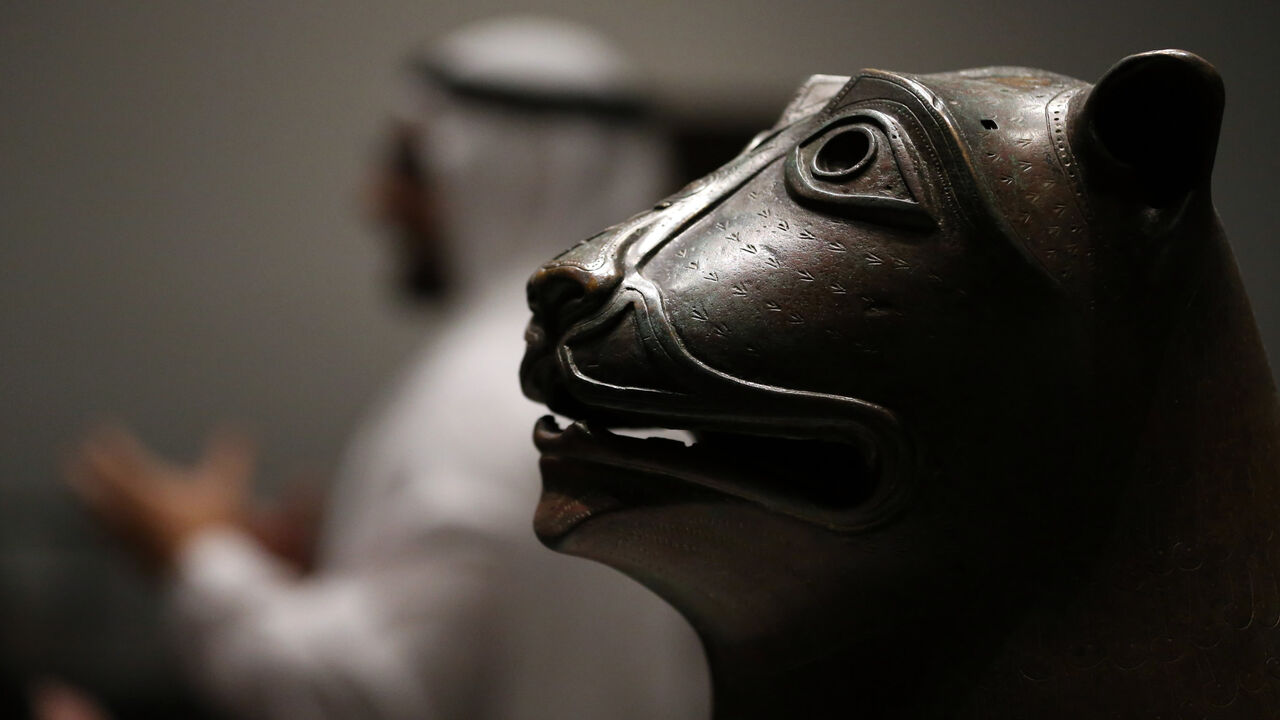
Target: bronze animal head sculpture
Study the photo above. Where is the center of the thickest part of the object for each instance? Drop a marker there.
(984, 426)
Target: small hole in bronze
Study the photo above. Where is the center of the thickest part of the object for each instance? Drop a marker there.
(843, 153)
(990, 124)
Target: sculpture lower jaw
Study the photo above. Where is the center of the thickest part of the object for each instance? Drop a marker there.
(589, 471)
(561, 509)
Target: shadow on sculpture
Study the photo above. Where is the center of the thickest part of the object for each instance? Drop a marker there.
(984, 425)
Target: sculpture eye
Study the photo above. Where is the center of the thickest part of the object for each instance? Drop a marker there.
(860, 166)
(844, 153)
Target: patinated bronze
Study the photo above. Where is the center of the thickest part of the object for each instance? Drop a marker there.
(984, 426)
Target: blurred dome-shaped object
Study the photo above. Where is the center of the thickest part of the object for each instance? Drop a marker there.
(533, 56)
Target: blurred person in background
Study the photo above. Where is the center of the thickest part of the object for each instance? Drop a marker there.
(423, 593)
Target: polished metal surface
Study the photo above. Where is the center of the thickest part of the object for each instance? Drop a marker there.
(984, 427)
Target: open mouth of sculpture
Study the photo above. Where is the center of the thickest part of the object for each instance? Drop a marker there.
(589, 470)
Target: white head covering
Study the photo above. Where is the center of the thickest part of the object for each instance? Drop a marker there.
(529, 143)
(535, 55)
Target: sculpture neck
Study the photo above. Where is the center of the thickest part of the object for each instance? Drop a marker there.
(1181, 605)
(871, 683)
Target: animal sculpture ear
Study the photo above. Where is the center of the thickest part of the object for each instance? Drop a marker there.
(813, 94)
(1157, 115)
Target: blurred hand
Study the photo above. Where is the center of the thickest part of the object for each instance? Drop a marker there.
(54, 700)
(290, 527)
(157, 507)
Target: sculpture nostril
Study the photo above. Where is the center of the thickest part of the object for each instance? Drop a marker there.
(556, 294)
(580, 280)
(561, 294)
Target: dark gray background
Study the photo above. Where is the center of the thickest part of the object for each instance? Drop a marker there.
(180, 242)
